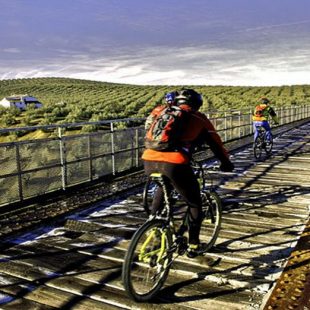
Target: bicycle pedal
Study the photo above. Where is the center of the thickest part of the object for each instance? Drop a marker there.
(182, 250)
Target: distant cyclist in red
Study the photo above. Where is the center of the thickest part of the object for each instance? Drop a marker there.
(175, 164)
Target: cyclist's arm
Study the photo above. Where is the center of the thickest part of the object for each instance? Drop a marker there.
(273, 115)
(275, 119)
(213, 139)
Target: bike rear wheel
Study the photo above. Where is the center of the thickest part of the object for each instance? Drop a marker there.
(212, 218)
(147, 261)
(148, 195)
(258, 147)
(149, 191)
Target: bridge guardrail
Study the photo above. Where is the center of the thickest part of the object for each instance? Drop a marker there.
(33, 168)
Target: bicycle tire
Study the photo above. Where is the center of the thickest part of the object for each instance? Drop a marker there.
(212, 218)
(149, 192)
(151, 186)
(148, 195)
(268, 146)
(258, 147)
(145, 268)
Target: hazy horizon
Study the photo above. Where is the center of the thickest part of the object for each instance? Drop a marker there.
(172, 42)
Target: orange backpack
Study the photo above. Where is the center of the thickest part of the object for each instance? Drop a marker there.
(259, 110)
(165, 131)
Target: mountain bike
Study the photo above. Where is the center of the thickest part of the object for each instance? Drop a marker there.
(262, 143)
(160, 240)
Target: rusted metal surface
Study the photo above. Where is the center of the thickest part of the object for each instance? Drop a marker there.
(292, 290)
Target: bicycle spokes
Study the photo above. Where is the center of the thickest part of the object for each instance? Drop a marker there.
(147, 261)
(210, 216)
(154, 246)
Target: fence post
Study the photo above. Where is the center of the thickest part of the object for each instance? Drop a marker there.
(137, 146)
(19, 172)
(250, 122)
(231, 126)
(62, 151)
(112, 148)
(239, 122)
(90, 167)
(292, 114)
(225, 125)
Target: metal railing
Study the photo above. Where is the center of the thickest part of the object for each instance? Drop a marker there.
(35, 167)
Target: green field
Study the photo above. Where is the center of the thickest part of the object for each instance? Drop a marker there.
(70, 100)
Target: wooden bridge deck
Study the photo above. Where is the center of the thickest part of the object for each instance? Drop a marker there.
(76, 263)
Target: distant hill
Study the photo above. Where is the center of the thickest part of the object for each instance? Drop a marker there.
(71, 100)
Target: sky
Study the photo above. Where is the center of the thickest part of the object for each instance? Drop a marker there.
(158, 42)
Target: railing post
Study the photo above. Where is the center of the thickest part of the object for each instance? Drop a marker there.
(292, 115)
(250, 122)
(62, 152)
(137, 146)
(239, 123)
(225, 125)
(19, 173)
(90, 167)
(231, 125)
(112, 148)
(303, 112)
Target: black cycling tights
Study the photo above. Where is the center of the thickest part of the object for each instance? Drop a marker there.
(185, 182)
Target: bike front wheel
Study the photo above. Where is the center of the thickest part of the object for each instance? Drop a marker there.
(147, 261)
(212, 218)
(268, 146)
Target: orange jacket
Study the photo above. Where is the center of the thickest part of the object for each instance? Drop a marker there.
(198, 130)
(262, 112)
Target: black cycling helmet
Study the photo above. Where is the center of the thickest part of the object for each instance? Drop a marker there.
(190, 97)
(264, 100)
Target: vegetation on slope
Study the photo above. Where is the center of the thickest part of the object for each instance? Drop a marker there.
(71, 100)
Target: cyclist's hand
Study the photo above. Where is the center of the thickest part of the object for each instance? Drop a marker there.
(227, 166)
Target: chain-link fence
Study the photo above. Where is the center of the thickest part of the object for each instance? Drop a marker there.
(35, 167)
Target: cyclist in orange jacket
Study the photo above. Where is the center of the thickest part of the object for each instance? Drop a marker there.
(176, 164)
(262, 113)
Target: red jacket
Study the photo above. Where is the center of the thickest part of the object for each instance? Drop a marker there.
(199, 128)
